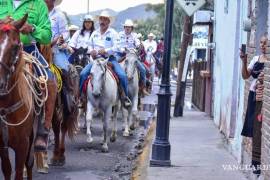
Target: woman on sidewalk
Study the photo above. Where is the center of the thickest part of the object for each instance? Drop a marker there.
(253, 123)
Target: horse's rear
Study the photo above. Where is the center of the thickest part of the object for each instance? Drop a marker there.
(16, 103)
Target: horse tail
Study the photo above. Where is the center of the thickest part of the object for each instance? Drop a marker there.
(71, 124)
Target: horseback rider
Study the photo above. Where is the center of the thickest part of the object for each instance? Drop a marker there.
(129, 40)
(81, 38)
(37, 29)
(150, 45)
(59, 35)
(104, 42)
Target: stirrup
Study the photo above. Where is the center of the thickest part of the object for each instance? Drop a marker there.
(127, 102)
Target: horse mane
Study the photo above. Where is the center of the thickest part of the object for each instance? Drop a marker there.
(22, 86)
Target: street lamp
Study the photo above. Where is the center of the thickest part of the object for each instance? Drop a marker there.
(161, 147)
(88, 5)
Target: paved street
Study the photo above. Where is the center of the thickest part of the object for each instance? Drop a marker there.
(85, 161)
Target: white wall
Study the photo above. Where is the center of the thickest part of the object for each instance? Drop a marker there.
(228, 85)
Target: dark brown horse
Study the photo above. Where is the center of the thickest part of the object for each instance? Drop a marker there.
(16, 102)
(66, 112)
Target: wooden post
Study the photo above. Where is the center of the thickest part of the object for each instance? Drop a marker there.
(186, 39)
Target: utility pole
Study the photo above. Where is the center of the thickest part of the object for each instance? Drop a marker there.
(161, 147)
(88, 6)
(180, 92)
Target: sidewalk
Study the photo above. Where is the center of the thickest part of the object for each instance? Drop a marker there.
(197, 151)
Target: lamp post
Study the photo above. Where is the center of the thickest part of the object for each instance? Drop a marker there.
(88, 6)
(161, 148)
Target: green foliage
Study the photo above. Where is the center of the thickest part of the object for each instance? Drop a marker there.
(156, 26)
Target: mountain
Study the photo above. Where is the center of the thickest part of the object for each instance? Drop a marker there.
(134, 13)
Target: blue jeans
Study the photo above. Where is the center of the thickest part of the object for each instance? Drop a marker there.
(142, 71)
(32, 49)
(117, 69)
(60, 58)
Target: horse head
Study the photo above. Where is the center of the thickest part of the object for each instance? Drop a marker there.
(98, 76)
(81, 58)
(131, 63)
(10, 51)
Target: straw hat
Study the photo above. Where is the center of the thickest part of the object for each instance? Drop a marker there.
(73, 28)
(128, 23)
(106, 14)
(57, 2)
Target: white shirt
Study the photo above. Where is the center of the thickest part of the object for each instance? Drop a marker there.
(59, 24)
(250, 67)
(108, 41)
(128, 41)
(78, 40)
(150, 46)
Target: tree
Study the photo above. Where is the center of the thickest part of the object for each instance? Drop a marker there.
(156, 25)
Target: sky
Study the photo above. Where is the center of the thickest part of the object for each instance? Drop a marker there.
(80, 6)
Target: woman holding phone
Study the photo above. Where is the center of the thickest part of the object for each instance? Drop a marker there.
(252, 124)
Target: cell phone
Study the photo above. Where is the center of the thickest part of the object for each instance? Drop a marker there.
(243, 48)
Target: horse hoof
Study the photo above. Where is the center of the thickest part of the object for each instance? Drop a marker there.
(62, 161)
(112, 138)
(104, 149)
(89, 139)
(125, 134)
(132, 127)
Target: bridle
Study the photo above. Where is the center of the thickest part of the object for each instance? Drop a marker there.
(10, 69)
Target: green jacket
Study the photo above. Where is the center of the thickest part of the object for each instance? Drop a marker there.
(37, 16)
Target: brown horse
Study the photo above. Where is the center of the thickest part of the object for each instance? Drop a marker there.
(66, 112)
(16, 102)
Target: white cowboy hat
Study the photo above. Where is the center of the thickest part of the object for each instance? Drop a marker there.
(128, 23)
(57, 2)
(106, 14)
(139, 35)
(73, 28)
(151, 35)
(88, 17)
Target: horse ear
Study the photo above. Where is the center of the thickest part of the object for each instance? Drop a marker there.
(19, 23)
(85, 50)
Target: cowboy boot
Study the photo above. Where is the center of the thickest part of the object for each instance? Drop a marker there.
(124, 98)
(44, 127)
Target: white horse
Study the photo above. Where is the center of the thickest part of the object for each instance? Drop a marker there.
(130, 114)
(151, 60)
(102, 93)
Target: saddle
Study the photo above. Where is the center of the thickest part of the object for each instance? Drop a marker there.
(111, 71)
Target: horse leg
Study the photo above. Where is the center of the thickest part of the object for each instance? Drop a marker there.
(30, 157)
(89, 119)
(6, 166)
(133, 115)
(62, 158)
(56, 130)
(106, 119)
(114, 124)
(126, 123)
(21, 152)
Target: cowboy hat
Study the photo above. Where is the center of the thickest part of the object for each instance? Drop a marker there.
(57, 2)
(88, 17)
(106, 14)
(128, 23)
(73, 28)
(151, 35)
(139, 35)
